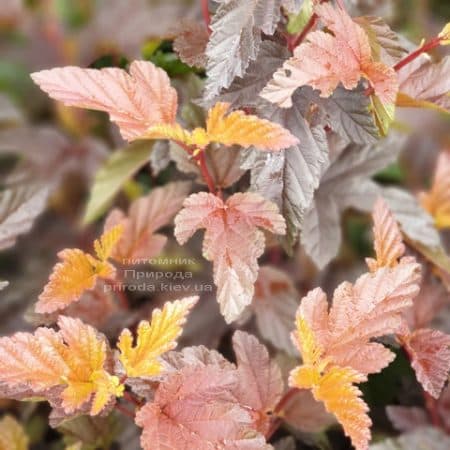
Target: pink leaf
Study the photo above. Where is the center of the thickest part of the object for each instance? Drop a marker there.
(260, 381)
(229, 225)
(145, 216)
(134, 101)
(194, 409)
(370, 308)
(325, 60)
(429, 351)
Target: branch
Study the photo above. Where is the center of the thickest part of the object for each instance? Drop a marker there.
(426, 47)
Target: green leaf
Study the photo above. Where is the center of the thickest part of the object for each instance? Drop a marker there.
(118, 169)
(297, 22)
(384, 114)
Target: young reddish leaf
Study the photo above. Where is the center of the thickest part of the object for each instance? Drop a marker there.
(260, 382)
(370, 308)
(229, 224)
(154, 338)
(78, 272)
(190, 44)
(134, 101)
(325, 60)
(145, 216)
(73, 358)
(194, 409)
(12, 435)
(437, 200)
(234, 128)
(429, 351)
(388, 240)
(331, 384)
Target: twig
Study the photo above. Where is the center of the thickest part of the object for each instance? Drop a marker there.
(201, 159)
(300, 37)
(426, 47)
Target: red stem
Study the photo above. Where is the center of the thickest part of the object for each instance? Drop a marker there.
(300, 37)
(431, 405)
(206, 15)
(430, 45)
(205, 172)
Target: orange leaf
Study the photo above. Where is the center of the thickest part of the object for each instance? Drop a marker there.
(154, 338)
(75, 358)
(437, 200)
(235, 128)
(332, 385)
(78, 272)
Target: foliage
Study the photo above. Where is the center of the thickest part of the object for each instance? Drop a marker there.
(272, 125)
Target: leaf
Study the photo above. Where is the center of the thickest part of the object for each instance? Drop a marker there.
(326, 60)
(307, 414)
(235, 39)
(274, 305)
(234, 128)
(333, 385)
(78, 272)
(49, 155)
(437, 200)
(344, 184)
(388, 240)
(429, 352)
(349, 115)
(3, 285)
(444, 35)
(153, 338)
(289, 178)
(146, 215)
(385, 43)
(406, 418)
(227, 225)
(119, 167)
(297, 22)
(75, 358)
(426, 81)
(134, 101)
(429, 438)
(190, 44)
(19, 207)
(12, 435)
(194, 408)
(260, 382)
(370, 308)
(243, 92)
